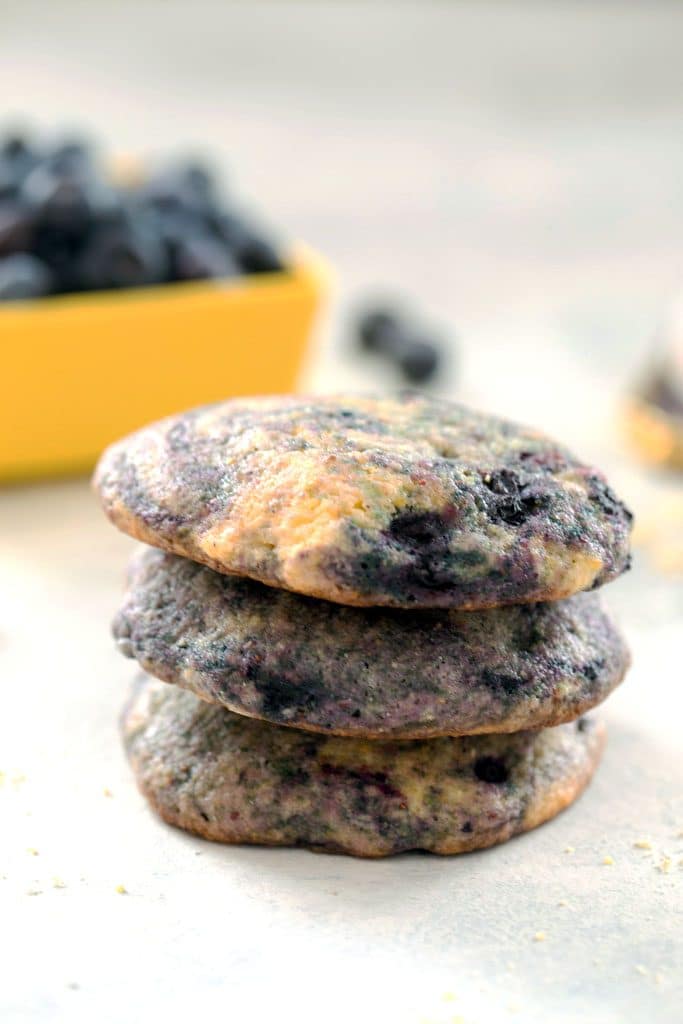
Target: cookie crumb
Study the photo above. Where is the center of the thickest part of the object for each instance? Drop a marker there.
(32, 850)
(107, 792)
(121, 889)
(540, 937)
(569, 849)
(609, 861)
(664, 865)
(57, 883)
(643, 844)
(563, 903)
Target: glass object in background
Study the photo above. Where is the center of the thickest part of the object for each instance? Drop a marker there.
(654, 409)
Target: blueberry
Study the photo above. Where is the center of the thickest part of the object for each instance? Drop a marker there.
(68, 201)
(377, 330)
(171, 225)
(17, 158)
(71, 155)
(23, 276)
(229, 227)
(186, 187)
(418, 360)
(203, 257)
(16, 227)
(165, 199)
(60, 252)
(121, 256)
(58, 201)
(256, 255)
(175, 228)
(197, 178)
(9, 182)
(15, 146)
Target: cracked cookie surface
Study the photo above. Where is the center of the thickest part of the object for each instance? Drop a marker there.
(406, 501)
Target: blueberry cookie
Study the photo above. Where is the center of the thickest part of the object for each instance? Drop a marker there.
(314, 665)
(406, 501)
(235, 780)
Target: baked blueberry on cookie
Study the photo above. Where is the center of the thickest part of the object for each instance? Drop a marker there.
(233, 779)
(406, 501)
(296, 661)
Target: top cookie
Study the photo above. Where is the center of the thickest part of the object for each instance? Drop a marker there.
(406, 501)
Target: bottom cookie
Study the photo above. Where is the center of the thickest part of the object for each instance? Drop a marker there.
(237, 780)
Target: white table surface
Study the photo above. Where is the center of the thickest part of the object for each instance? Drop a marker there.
(545, 224)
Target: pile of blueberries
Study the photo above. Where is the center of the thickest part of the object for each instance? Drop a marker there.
(65, 227)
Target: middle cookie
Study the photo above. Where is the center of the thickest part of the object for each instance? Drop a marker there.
(297, 661)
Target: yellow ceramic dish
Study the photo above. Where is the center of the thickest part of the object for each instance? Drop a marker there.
(79, 371)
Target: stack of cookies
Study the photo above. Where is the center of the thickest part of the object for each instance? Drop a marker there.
(374, 612)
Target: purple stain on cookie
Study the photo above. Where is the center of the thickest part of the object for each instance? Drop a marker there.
(364, 777)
